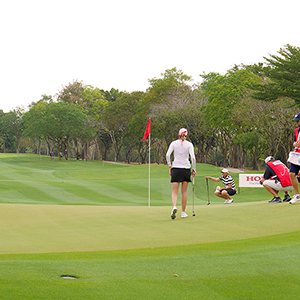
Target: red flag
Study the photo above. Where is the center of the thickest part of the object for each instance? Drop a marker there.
(148, 130)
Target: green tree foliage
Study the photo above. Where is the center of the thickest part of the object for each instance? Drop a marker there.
(96, 112)
(271, 125)
(226, 123)
(72, 93)
(57, 122)
(176, 111)
(161, 88)
(223, 93)
(164, 99)
(44, 98)
(10, 129)
(137, 127)
(111, 95)
(2, 131)
(281, 76)
(80, 94)
(90, 95)
(161, 97)
(117, 116)
(85, 96)
(33, 121)
(15, 126)
(252, 142)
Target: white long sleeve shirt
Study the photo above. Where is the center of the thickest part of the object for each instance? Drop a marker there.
(182, 151)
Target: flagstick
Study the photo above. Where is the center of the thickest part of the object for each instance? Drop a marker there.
(149, 174)
(148, 133)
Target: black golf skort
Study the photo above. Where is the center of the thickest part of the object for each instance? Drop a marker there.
(180, 175)
(231, 192)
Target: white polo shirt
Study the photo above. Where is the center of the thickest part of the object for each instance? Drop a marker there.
(182, 151)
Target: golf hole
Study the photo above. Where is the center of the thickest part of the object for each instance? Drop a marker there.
(69, 277)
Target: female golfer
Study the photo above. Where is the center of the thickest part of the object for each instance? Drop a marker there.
(180, 169)
(228, 190)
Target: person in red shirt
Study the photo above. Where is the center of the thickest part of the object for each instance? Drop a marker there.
(276, 178)
(294, 168)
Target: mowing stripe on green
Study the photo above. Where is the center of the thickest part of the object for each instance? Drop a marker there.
(68, 228)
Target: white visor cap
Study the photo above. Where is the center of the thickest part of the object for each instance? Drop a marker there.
(182, 131)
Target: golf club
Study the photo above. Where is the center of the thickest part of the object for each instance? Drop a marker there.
(208, 202)
(193, 196)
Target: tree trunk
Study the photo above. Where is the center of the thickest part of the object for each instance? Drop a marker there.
(4, 145)
(39, 146)
(98, 149)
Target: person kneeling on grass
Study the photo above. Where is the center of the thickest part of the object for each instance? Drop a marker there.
(228, 190)
(276, 178)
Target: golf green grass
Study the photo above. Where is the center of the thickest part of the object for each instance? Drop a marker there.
(51, 228)
(260, 268)
(91, 220)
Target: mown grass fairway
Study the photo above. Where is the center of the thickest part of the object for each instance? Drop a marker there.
(91, 220)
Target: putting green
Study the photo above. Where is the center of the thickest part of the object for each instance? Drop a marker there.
(73, 228)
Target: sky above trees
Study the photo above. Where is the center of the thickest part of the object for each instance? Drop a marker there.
(121, 44)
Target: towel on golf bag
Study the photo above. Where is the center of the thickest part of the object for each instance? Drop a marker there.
(294, 158)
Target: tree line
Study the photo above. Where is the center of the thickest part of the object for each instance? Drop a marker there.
(235, 119)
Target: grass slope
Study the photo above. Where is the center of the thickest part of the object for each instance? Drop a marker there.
(32, 179)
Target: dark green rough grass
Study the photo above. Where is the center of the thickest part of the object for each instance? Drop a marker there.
(260, 268)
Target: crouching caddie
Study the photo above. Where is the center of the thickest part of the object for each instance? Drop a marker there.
(276, 178)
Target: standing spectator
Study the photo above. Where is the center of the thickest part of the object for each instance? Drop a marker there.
(295, 167)
(180, 169)
(276, 178)
(228, 190)
(51, 155)
(66, 152)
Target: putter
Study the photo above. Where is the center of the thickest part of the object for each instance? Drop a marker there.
(208, 202)
(194, 196)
